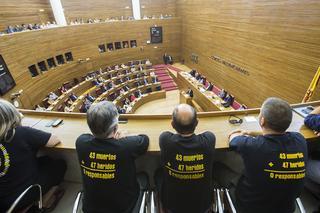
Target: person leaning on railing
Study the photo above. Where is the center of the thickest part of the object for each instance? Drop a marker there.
(19, 165)
(313, 167)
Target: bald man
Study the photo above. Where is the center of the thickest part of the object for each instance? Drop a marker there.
(185, 181)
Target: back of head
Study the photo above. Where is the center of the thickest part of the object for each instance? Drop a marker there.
(9, 118)
(184, 119)
(102, 119)
(277, 114)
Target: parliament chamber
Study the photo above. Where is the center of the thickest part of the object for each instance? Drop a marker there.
(148, 61)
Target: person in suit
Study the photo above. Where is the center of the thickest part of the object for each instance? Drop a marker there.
(190, 92)
(223, 94)
(193, 72)
(138, 94)
(209, 87)
(73, 97)
(89, 97)
(145, 81)
(165, 58)
(95, 82)
(228, 101)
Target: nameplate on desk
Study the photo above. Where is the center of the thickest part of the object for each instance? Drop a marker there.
(229, 64)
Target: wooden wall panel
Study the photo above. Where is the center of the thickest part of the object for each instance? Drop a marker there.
(278, 42)
(24, 12)
(158, 7)
(96, 9)
(83, 41)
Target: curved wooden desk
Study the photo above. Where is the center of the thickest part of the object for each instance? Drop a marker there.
(143, 88)
(74, 124)
(147, 98)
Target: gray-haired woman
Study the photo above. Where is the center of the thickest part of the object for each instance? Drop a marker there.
(19, 165)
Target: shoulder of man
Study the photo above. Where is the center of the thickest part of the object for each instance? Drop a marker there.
(165, 138)
(84, 138)
(209, 136)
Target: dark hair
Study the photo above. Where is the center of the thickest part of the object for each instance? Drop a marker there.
(277, 114)
(184, 125)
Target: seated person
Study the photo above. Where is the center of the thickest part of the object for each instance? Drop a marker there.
(126, 101)
(209, 87)
(133, 68)
(132, 97)
(223, 94)
(148, 90)
(154, 79)
(228, 101)
(95, 82)
(123, 66)
(137, 84)
(118, 188)
(121, 110)
(122, 91)
(193, 73)
(21, 145)
(190, 92)
(109, 68)
(148, 62)
(110, 85)
(198, 76)
(90, 98)
(145, 81)
(63, 90)
(69, 102)
(313, 166)
(116, 67)
(83, 108)
(52, 97)
(138, 94)
(39, 108)
(75, 81)
(112, 97)
(103, 88)
(269, 182)
(180, 190)
(126, 88)
(67, 109)
(126, 72)
(158, 88)
(140, 68)
(243, 107)
(127, 78)
(202, 80)
(101, 80)
(73, 97)
(87, 103)
(119, 81)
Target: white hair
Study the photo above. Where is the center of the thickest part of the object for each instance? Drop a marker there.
(102, 118)
(9, 118)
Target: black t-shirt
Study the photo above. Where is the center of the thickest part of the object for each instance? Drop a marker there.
(109, 172)
(274, 171)
(187, 166)
(18, 163)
